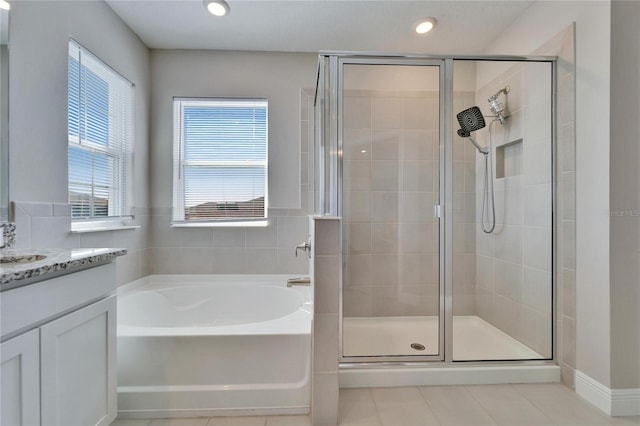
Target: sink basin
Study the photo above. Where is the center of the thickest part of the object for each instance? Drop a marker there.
(20, 259)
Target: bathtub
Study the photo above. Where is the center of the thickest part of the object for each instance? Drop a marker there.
(207, 345)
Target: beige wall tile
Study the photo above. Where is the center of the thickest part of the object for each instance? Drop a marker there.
(324, 399)
(326, 284)
(386, 113)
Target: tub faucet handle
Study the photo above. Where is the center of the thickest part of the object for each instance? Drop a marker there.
(306, 246)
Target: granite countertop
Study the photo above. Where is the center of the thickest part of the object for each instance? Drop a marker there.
(55, 263)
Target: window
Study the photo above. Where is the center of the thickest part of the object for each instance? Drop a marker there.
(100, 121)
(219, 160)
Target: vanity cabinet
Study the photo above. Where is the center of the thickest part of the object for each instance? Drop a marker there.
(20, 379)
(78, 367)
(59, 351)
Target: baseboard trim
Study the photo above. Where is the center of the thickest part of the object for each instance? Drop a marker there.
(614, 402)
(625, 402)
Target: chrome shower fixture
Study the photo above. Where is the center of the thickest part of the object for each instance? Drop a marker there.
(496, 106)
(470, 120)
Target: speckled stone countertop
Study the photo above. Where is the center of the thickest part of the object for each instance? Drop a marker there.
(55, 263)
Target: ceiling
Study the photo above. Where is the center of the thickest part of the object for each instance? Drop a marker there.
(464, 27)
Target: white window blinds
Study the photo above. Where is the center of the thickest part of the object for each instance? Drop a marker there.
(100, 122)
(220, 160)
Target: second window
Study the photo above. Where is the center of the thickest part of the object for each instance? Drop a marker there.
(219, 160)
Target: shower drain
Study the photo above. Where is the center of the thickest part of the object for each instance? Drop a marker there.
(417, 347)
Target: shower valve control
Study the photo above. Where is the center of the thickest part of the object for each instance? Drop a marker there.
(306, 246)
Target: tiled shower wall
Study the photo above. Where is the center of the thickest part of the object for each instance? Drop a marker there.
(536, 325)
(563, 46)
(307, 119)
(514, 262)
(390, 187)
(464, 214)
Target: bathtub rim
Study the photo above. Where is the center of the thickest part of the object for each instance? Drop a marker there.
(297, 322)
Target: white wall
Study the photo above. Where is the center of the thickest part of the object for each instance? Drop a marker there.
(39, 34)
(277, 77)
(625, 198)
(539, 23)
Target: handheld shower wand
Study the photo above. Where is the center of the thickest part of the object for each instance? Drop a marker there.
(470, 120)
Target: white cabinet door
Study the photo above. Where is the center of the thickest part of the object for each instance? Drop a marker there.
(78, 365)
(20, 380)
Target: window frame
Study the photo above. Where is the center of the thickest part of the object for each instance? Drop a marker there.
(180, 164)
(120, 173)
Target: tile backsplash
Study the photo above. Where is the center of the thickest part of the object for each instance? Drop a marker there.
(48, 225)
(157, 248)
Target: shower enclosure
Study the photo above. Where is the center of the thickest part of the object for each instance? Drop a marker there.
(447, 216)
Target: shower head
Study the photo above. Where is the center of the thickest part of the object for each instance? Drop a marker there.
(504, 90)
(470, 120)
(496, 106)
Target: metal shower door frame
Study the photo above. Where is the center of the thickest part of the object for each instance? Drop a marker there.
(337, 65)
(333, 201)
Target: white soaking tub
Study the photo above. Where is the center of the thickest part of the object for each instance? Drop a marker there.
(205, 345)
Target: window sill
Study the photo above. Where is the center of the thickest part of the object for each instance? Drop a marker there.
(81, 227)
(238, 224)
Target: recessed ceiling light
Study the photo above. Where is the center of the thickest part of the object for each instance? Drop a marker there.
(425, 25)
(4, 4)
(217, 7)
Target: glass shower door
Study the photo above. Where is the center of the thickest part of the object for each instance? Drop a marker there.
(389, 127)
(502, 281)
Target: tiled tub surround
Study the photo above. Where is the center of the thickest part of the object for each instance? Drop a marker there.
(56, 262)
(48, 225)
(513, 287)
(325, 269)
(264, 250)
(157, 248)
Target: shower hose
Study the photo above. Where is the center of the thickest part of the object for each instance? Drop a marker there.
(488, 192)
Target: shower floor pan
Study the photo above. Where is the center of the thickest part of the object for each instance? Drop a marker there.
(473, 338)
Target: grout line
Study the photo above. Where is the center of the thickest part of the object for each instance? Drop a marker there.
(482, 407)
(514, 389)
(428, 405)
(375, 405)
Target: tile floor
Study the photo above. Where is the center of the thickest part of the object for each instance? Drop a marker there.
(508, 405)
